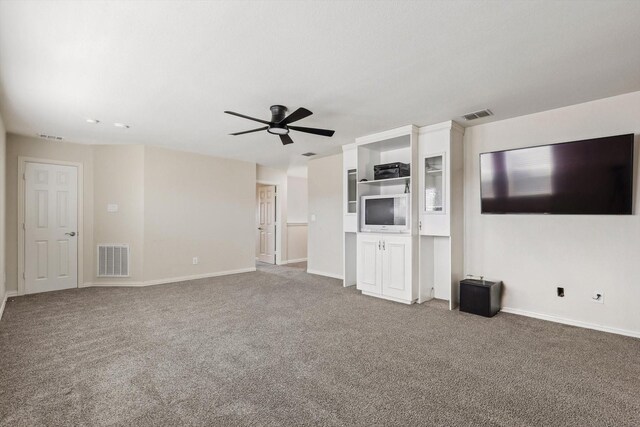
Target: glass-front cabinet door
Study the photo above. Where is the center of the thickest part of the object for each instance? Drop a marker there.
(351, 191)
(434, 173)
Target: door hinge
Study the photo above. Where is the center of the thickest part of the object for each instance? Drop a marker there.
(23, 275)
(419, 225)
(23, 226)
(24, 178)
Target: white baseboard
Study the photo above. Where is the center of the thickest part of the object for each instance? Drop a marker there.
(293, 261)
(7, 295)
(4, 302)
(171, 279)
(387, 298)
(322, 273)
(577, 323)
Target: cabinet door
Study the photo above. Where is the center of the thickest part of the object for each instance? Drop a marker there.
(369, 267)
(396, 267)
(434, 184)
(350, 192)
(435, 179)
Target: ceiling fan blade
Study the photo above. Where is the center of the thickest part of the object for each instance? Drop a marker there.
(299, 114)
(247, 117)
(323, 132)
(249, 131)
(286, 139)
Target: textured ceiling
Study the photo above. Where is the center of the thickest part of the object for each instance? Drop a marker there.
(170, 69)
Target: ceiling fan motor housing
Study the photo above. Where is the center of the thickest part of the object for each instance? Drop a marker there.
(278, 113)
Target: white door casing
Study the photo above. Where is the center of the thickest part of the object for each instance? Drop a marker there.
(266, 223)
(50, 227)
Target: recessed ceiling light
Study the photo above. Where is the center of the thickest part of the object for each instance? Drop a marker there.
(121, 125)
(93, 121)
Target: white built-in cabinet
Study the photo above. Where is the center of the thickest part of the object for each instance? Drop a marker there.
(441, 218)
(425, 262)
(350, 187)
(385, 263)
(350, 212)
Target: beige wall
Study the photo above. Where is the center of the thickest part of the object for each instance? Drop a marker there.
(48, 150)
(197, 206)
(296, 242)
(3, 150)
(297, 199)
(534, 254)
(118, 174)
(324, 252)
(172, 206)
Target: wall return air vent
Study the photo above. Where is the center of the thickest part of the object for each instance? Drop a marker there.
(113, 260)
(478, 114)
(50, 137)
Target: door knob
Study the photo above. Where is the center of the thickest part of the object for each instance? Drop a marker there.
(73, 233)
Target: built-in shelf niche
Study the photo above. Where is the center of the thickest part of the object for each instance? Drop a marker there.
(396, 149)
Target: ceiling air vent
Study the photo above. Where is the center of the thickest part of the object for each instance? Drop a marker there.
(309, 154)
(50, 137)
(478, 114)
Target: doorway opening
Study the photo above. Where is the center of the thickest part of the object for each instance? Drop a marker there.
(266, 227)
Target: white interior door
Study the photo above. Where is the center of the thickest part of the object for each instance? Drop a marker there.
(266, 221)
(51, 233)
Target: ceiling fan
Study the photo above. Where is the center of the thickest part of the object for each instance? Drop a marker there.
(279, 124)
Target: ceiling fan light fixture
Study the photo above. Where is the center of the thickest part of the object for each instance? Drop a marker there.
(277, 130)
(280, 123)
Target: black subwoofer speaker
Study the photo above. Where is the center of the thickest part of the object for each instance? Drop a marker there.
(480, 297)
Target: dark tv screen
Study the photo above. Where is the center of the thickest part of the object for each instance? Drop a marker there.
(592, 177)
(379, 211)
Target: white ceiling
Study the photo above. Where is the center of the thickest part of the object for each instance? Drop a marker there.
(170, 69)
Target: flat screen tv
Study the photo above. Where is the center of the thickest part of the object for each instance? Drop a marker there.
(590, 177)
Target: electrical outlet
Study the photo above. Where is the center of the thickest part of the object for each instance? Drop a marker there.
(195, 260)
(598, 296)
(560, 292)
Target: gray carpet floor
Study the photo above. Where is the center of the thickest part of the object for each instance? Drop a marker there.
(282, 347)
